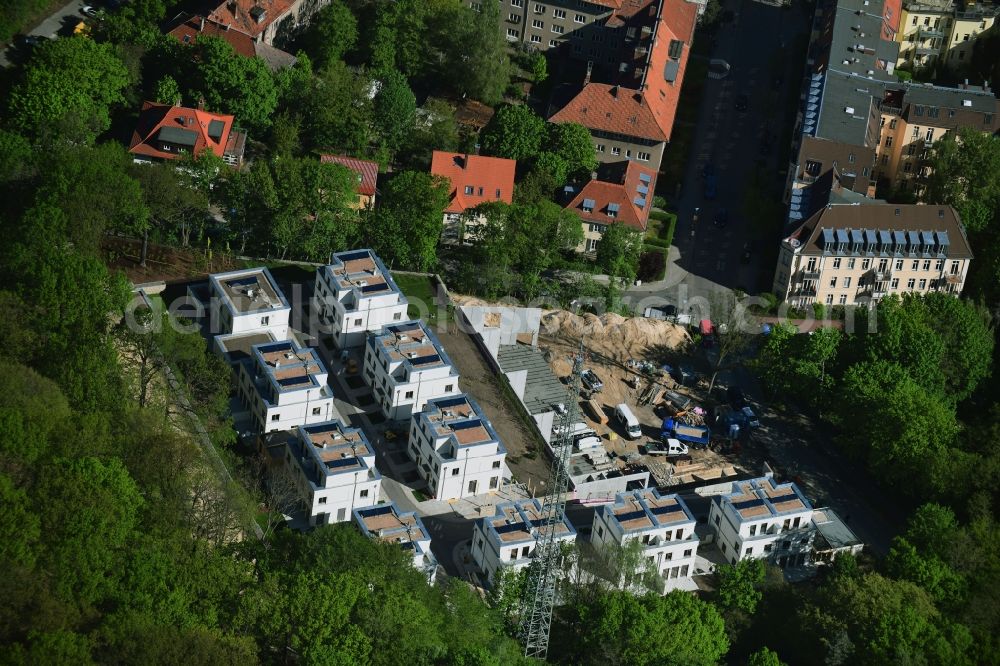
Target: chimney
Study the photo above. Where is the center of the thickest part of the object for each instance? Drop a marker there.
(590, 67)
(614, 91)
(201, 103)
(201, 28)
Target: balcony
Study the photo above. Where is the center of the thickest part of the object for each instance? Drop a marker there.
(926, 51)
(926, 32)
(882, 276)
(810, 274)
(804, 291)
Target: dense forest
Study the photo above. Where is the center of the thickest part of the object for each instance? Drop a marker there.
(123, 544)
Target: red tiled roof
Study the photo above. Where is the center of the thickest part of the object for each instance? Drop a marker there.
(610, 4)
(368, 171)
(155, 117)
(617, 183)
(237, 13)
(484, 175)
(188, 31)
(642, 105)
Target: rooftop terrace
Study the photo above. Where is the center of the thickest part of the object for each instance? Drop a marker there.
(514, 521)
(288, 366)
(385, 523)
(330, 448)
(362, 271)
(758, 498)
(646, 509)
(460, 419)
(411, 342)
(249, 291)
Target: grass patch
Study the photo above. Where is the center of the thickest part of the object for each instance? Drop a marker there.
(419, 291)
(652, 263)
(420, 495)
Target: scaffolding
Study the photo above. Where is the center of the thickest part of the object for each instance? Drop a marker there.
(540, 590)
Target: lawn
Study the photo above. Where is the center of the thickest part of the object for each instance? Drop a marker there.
(419, 290)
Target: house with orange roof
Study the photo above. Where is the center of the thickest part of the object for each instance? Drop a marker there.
(165, 132)
(620, 192)
(187, 28)
(474, 179)
(366, 171)
(266, 20)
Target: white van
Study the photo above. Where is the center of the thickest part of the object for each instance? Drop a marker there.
(669, 447)
(631, 424)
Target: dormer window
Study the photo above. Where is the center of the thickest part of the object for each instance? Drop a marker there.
(469, 189)
(588, 205)
(613, 210)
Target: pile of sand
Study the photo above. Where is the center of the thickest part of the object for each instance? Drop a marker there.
(612, 335)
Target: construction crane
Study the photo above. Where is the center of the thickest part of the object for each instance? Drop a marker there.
(540, 590)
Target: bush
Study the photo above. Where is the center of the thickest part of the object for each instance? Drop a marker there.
(652, 264)
(657, 242)
(904, 75)
(668, 224)
(659, 202)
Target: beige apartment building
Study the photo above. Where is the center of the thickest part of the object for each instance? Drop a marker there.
(851, 254)
(935, 32)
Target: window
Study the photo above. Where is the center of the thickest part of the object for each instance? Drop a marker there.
(397, 316)
(469, 189)
(579, 18)
(850, 158)
(927, 264)
(899, 264)
(363, 493)
(748, 551)
(847, 283)
(341, 513)
(895, 283)
(537, 24)
(264, 321)
(644, 157)
(615, 150)
(322, 500)
(558, 29)
(833, 282)
(600, 531)
(907, 168)
(796, 522)
(687, 553)
(911, 283)
(539, 9)
(892, 124)
(600, 147)
(449, 388)
(472, 490)
(513, 18)
(865, 263)
(316, 411)
(498, 193)
(915, 265)
(275, 417)
(850, 264)
(843, 299)
(717, 520)
(558, 13)
(535, 39)
(813, 167)
(516, 3)
(496, 464)
(513, 33)
(409, 395)
(922, 284)
(480, 192)
(829, 299)
(494, 481)
(939, 265)
(455, 471)
(954, 268)
(358, 322)
(753, 530)
(930, 134)
(836, 263)
(888, 142)
(680, 534)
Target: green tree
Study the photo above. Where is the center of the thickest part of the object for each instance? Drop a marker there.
(739, 585)
(765, 657)
(68, 83)
(514, 132)
(332, 32)
(230, 83)
(553, 165)
(337, 111)
(475, 52)
(167, 91)
(407, 226)
(394, 108)
(618, 251)
(435, 129)
(966, 174)
(573, 143)
(177, 209)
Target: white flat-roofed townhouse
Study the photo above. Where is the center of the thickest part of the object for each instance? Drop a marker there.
(384, 522)
(246, 301)
(406, 366)
(285, 386)
(664, 526)
(333, 467)
(355, 294)
(457, 451)
(508, 538)
(762, 519)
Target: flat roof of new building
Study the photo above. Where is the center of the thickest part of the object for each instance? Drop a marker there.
(413, 343)
(542, 390)
(833, 530)
(237, 347)
(329, 448)
(363, 272)
(246, 291)
(288, 366)
(761, 497)
(386, 523)
(514, 521)
(646, 509)
(460, 419)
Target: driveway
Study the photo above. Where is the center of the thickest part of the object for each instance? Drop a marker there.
(61, 21)
(707, 258)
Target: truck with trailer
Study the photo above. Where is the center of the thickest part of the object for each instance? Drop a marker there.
(694, 434)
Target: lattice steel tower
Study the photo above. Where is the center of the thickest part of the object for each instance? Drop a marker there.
(540, 590)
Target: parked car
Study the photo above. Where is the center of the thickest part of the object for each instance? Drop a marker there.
(668, 312)
(737, 399)
(591, 381)
(87, 10)
(33, 40)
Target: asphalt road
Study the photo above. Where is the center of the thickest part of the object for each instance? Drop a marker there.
(60, 22)
(754, 43)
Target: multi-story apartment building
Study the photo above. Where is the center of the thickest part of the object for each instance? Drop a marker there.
(406, 367)
(941, 32)
(508, 538)
(355, 294)
(457, 451)
(273, 22)
(284, 386)
(367, 173)
(243, 301)
(858, 121)
(332, 467)
(761, 519)
(664, 526)
(620, 192)
(187, 28)
(475, 179)
(385, 523)
(857, 254)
